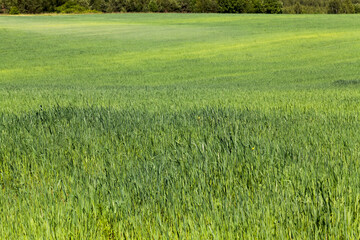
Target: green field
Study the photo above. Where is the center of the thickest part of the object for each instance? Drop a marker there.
(180, 126)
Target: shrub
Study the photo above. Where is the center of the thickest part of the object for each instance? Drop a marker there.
(14, 11)
(73, 7)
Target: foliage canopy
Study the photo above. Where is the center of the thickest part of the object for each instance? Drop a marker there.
(222, 6)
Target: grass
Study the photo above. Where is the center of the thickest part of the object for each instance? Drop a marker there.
(179, 126)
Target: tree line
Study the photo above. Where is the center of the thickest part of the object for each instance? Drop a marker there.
(189, 6)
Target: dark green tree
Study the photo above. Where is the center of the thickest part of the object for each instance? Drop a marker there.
(153, 6)
(168, 6)
(98, 5)
(51, 5)
(114, 6)
(3, 7)
(233, 6)
(272, 6)
(35, 6)
(298, 8)
(258, 6)
(347, 7)
(206, 6)
(187, 5)
(334, 7)
(357, 8)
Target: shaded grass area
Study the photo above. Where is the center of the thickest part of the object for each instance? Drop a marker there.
(346, 82)
(211, 172)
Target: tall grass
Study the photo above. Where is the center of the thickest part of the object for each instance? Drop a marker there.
(211, 172)
(150, 126)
